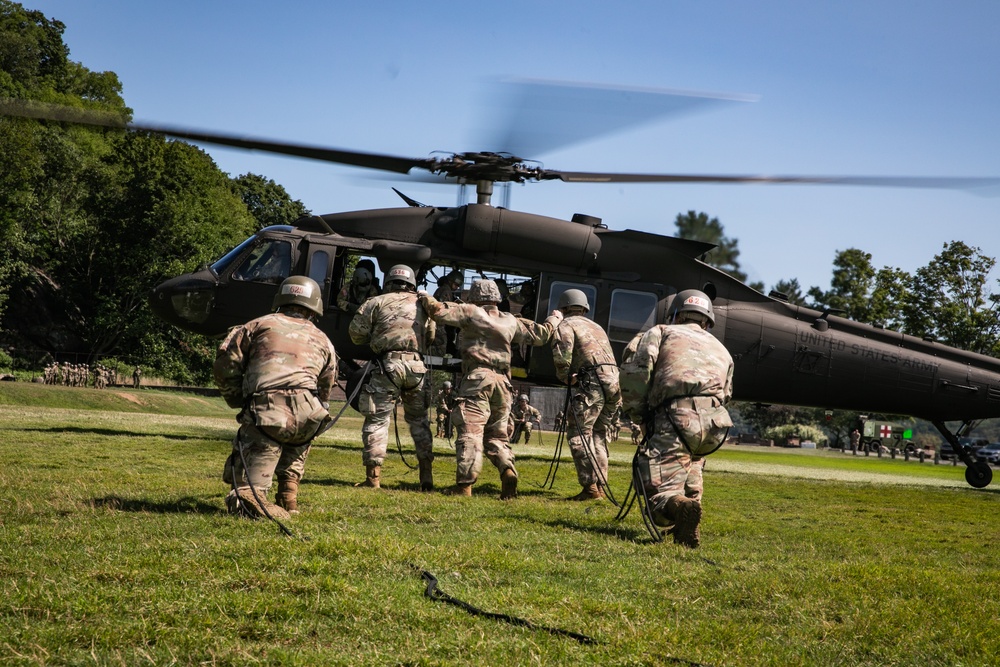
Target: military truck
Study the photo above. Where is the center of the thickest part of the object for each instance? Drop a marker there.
(875, 434)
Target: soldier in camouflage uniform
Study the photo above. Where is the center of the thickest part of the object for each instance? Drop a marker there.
(522, 416)
(581, 352)
(362, 287)
(399, 332)
(676, 383)
(484, 394)
(445, 404)
(279, 370)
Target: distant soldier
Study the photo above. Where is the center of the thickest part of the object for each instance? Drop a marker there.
(398, 330)
(444, 405)
(522, 417)
(855, 440)
(560, 418)
(484, 395)
(136, 378)
(361, 287)
(581, 352)
(676, 383)
(528, 297)
(279, 370)
(448, 290)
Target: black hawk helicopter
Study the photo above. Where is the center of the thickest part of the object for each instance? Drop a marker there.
(784, 353)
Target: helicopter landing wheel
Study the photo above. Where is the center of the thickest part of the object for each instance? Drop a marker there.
(979, 474)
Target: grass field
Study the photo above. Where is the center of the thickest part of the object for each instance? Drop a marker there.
(115, 550)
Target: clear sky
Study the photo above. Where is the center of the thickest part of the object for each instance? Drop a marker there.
(860, 87)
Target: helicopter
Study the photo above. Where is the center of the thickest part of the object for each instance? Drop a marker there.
(783, 353)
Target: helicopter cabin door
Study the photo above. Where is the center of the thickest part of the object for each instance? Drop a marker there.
(623, 309)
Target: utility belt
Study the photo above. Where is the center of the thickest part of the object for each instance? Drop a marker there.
(701, 422)
(489, 367)
(401, 355)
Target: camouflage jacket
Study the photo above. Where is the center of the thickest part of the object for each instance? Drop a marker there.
(519, 413)
(487, 333)
(392, 321)
(274, 352)
(350, 298)
(670, 361)
(580, 343)
(446, 400)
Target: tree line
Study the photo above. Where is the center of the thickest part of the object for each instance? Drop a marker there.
(91, 219)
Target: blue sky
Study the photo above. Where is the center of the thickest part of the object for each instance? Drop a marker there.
(863, 87)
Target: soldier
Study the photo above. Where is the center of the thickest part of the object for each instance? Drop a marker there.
(398, 331)
(279, 369)
(445, 404)
(446, 338)
(362, 287)
(522, 416)
(484, 394)
(855, 440)
(581, 352)
(558, 423)
(136, 378)
(677, 383)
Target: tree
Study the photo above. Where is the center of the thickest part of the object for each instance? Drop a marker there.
(725, 256)
(949, 300)
(792, 290)
(851, 286)
(268, 202)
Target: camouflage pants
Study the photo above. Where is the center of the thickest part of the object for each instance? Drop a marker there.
(265, 458)
(484, 400)
(591, 411)
(395, 379)
(514, 431)
(275, 437)
(666, 467)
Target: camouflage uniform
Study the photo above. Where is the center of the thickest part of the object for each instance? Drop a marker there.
(445, 404)
(581, 348)
(398, 331)
(675, 383)
(522, 418)
(279, 369)
(484, 393)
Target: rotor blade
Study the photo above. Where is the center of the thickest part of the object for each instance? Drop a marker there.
(42, 111)
(942, 182)
(529, 117)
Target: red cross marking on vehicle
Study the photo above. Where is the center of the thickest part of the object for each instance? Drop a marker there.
(885, 431)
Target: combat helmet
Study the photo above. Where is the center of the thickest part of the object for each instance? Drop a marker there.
(446, 384)
(401, 273)
(692, 301)
(573, 297)
(484, 291)
(299, 291)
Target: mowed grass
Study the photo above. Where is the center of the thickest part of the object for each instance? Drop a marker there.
(114, 549)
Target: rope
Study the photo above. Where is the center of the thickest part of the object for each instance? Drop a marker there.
(434, 593)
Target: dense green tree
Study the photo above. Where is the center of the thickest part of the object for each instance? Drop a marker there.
(851, 286)
(949, 300)
(268, 202)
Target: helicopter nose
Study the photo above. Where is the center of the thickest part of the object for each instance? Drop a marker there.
(185, 301)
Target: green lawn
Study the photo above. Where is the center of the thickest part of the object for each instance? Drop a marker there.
(114, 550)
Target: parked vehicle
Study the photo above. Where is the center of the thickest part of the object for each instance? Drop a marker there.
(989, 453)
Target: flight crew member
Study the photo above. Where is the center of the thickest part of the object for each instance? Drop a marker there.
(581, 352)
(522, 416)
(676, 383)
(279, 369)
(484, 394)
(445, 403)
(398, 330)
(362, 287)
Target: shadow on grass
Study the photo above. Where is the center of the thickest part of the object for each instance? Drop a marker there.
(186, 505)
(113, 433)
(617, 530)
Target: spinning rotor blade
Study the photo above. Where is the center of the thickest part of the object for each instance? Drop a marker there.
(942, 182)
(41, 111)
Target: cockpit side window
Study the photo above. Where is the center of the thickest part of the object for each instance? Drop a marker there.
(268, 262)
(631, 312)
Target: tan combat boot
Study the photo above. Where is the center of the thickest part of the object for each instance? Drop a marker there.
(373, 474)
(590, 492)
(508, 484)
(464, 490)
(244, 503)
(288, 494)
(687, 515)
(426, 476)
